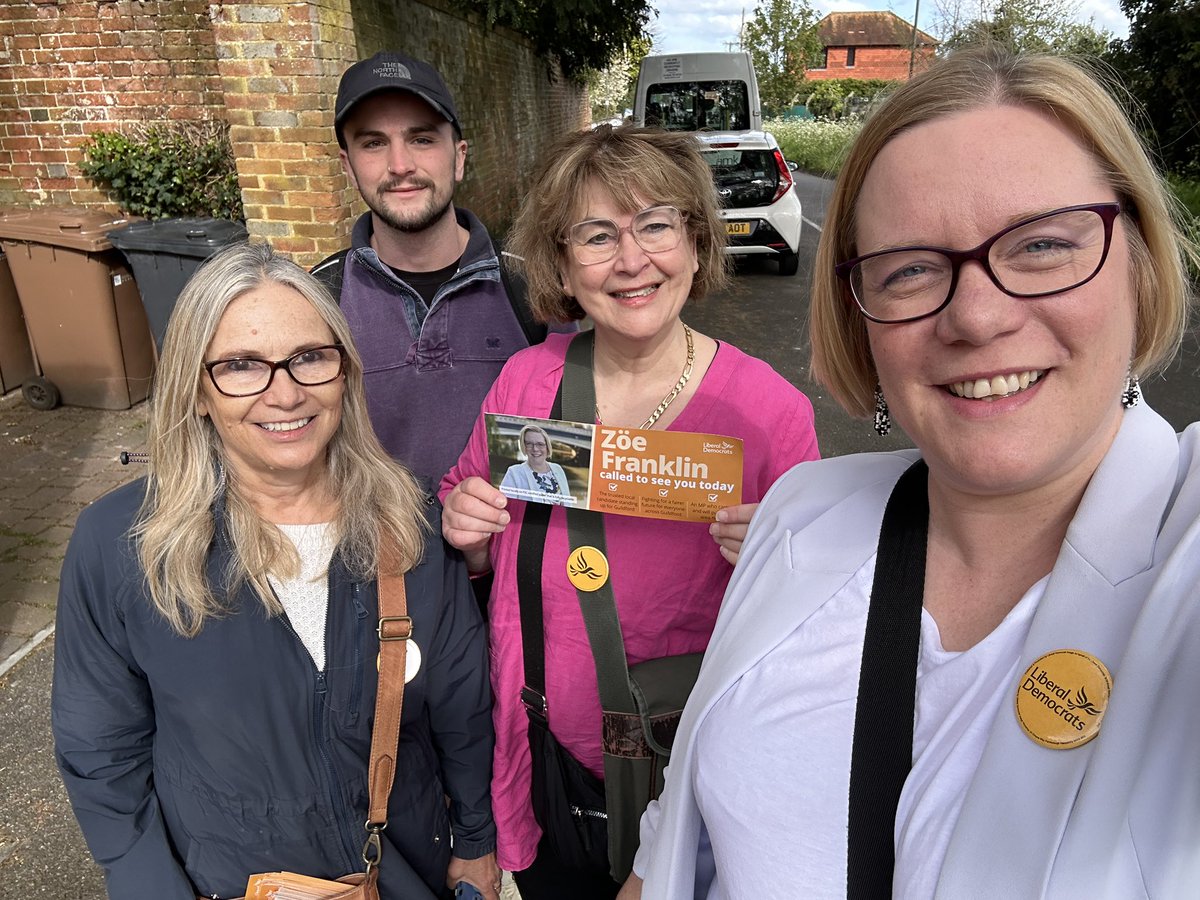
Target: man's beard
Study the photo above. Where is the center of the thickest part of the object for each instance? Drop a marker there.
(416, 221)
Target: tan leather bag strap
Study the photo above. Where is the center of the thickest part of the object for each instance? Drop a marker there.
(395, 628)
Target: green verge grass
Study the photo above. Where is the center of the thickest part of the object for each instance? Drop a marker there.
(817, 146)
(1188, 192)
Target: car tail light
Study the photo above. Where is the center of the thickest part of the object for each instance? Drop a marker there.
(785, 176)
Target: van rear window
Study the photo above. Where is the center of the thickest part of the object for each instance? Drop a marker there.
(698, 106)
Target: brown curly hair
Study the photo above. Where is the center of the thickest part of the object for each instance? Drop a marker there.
(636, 167)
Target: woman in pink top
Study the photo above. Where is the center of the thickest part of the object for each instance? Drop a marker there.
(623, 228)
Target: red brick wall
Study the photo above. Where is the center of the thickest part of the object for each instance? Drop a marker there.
(888, 63)
(509, 104)
(69, 69)
(280, 61)
(270, 68)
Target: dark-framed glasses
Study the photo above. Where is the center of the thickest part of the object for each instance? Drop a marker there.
(655, 229)
(245, 376)
(1040, 256)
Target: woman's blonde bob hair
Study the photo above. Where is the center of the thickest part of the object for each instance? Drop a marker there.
(636, 167)
(535, 429)
(1078, 101)
(190, 477)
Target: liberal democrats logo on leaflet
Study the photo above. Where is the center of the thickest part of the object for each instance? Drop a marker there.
(1062, 697)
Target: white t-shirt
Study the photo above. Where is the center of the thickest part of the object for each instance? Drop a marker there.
(306, 599)
(772, 777)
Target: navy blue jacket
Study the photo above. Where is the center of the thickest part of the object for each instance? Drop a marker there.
(193, 763)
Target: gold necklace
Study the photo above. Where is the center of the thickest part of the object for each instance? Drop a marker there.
(675, 391)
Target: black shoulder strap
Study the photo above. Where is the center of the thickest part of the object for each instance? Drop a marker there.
(518, 296)
(530, 548)
(881, 757)
(576, 396)
(329, 272)
(585, 528)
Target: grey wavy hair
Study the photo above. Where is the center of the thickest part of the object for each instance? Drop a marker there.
(189, 475)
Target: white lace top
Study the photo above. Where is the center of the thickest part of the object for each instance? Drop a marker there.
(306, 599)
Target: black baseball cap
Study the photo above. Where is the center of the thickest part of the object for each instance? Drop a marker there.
(392, 72)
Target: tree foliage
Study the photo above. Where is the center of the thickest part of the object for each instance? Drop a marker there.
(1041, 26)
(783, 43)
(185, 169)
(1160, 64)
(611, 89)
(836, 98)
(580, 34)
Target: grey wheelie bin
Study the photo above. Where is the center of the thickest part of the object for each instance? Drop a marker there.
(16, 358)
(85, 319)
(165, 253)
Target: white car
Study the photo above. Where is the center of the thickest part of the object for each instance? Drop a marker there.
(757, 195)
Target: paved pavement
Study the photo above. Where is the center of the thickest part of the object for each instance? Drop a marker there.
(52, 465)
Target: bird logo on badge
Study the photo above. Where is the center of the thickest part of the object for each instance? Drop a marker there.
(587, 569)
(1062, 697)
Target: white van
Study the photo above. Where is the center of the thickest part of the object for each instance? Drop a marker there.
(698, 92)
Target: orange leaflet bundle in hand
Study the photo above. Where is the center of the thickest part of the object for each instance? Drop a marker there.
(292, 886)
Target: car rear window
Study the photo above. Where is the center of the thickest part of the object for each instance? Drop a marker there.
(698, 106)
(743, 177)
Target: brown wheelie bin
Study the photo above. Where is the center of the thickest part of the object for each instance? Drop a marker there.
(16, 359)
(85, 317)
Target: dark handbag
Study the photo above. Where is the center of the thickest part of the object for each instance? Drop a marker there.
(568, 803)
(637, 748)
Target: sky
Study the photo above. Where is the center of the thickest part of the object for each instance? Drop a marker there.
(690, 26)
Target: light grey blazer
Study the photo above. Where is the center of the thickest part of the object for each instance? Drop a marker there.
(1117, 818)
(521, 476)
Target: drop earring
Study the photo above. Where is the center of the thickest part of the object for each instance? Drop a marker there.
(883, 421)
(1132, 395)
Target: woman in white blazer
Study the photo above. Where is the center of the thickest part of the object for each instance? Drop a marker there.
(1025, 727)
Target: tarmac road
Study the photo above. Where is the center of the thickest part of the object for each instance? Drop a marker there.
(52, 464)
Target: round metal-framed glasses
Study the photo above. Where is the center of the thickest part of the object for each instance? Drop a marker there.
(1046, 254)
(245, 376)
(655, 229)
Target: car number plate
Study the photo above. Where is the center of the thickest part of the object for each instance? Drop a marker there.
(737, 228)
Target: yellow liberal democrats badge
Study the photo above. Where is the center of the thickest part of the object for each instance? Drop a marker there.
(587, 568)
(1062, 697)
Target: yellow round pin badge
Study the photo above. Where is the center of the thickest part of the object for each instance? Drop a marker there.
(587, 568)
(1062, 697)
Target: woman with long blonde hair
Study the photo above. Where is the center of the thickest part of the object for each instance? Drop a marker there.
(214, 673)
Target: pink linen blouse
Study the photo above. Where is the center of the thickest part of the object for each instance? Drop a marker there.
(668, 577)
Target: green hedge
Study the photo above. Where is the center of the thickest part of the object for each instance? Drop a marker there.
(167, 170)
(838, 97)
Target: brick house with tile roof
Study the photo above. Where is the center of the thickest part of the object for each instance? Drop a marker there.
(870, 45)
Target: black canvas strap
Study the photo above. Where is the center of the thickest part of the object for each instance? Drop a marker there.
(887, 683)
(585, 528)
(530, 548)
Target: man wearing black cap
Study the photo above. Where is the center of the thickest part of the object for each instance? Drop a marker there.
(433, 313)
